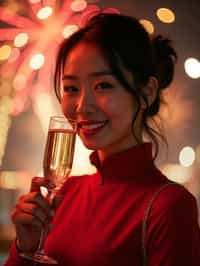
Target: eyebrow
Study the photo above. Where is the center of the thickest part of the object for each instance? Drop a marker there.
(93, 74)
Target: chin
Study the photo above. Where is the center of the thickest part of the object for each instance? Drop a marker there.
(92, 147)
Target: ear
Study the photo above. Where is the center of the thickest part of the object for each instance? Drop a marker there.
(149, 92)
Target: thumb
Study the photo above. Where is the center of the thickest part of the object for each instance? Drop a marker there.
(37, 182)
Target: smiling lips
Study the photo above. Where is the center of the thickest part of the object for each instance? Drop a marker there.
(90, 127)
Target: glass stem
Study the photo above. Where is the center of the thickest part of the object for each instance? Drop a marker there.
(44, 232)
(45, 229)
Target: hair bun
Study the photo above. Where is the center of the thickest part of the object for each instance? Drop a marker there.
(165, 58)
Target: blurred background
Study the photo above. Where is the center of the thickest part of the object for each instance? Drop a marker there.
(30, 32)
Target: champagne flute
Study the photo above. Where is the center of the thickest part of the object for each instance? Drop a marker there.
(57, 164)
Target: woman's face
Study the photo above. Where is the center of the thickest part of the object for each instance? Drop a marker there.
(93, 97)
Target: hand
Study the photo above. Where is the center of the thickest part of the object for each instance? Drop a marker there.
(31, 213)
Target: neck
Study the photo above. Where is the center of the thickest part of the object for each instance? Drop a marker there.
(105, 153)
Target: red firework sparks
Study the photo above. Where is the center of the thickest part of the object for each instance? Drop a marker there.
(44, 32)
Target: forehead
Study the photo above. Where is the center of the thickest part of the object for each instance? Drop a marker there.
(85, 57)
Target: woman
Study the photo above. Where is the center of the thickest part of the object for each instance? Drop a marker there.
(109, 78)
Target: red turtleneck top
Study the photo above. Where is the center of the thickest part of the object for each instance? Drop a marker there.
(99, 222)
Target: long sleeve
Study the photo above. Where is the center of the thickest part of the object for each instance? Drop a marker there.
(173, 236)
(100, 224)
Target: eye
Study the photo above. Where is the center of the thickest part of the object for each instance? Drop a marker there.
(103, 86)
(70, 89)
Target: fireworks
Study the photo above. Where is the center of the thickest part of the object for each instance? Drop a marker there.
(29, 42)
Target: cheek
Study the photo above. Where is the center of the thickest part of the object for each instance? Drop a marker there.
(68, 108)
(109, 107)
(118, 109)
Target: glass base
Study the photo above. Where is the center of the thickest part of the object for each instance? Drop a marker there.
(42, 258)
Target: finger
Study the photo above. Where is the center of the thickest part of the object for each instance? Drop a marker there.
(37, 199)
(35, 211)
(26, 219)
(37, 182)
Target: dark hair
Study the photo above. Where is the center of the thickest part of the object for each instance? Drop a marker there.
(124, 41)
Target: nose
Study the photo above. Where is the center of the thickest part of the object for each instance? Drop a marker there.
(86, 103)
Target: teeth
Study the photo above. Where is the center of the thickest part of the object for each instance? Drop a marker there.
(93, 126)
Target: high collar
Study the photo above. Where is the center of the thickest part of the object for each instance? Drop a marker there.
(127, 166)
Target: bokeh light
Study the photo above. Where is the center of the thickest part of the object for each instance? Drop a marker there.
(78, 5)
(69, 30)
(37, 61)
(187, 156)
(147, 25)
(8, 180)
(177, 172)
(45, 12)
(165, 15)
(5, 52)
(192, 68)
(21, 39)
(45, 38)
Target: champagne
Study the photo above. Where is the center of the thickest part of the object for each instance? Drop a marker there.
(58, 155)
(57, 164)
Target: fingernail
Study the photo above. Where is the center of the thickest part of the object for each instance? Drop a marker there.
(44, 191)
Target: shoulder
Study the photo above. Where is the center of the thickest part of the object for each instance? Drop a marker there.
(174, 202)
(174, 195)
(173, 234)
